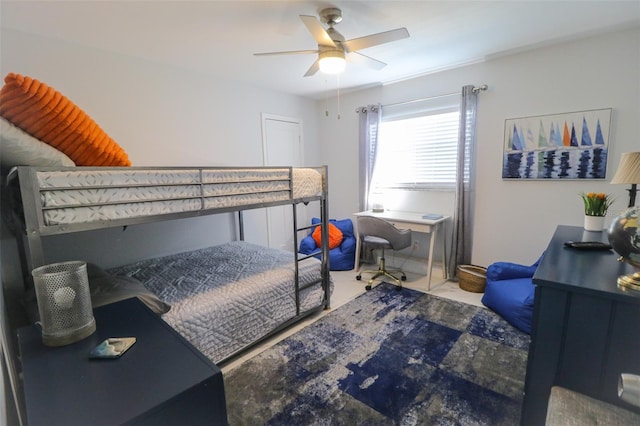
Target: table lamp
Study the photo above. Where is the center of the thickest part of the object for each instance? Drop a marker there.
(629, 172)
(624, 232)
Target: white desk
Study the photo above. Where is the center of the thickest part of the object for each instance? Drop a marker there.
(415, 222)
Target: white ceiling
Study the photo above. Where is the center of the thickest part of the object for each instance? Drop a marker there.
(220, 37)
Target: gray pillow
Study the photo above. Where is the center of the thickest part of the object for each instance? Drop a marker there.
(107, 289)
(18, 148)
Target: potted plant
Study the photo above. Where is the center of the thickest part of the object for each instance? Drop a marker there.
(596, 205)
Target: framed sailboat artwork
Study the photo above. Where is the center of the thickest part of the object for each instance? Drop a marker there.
(565, 146)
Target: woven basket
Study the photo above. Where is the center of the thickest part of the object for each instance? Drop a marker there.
(472, 278)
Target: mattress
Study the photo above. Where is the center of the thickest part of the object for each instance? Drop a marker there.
(225, 298)
(88, 195)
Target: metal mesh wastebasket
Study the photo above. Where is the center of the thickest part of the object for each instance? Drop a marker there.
(64, 302)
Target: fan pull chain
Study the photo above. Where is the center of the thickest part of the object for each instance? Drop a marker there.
(326, 99)
(326, 84)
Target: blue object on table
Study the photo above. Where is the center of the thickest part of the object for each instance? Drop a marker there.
(341, 258)
(432, 216)
(510, 292)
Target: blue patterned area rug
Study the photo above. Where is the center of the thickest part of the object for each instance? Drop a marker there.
(387, 357)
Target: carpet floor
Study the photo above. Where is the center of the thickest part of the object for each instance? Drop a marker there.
(387, 357)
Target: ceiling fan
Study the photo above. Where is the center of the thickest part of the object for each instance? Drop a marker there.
(333, 48)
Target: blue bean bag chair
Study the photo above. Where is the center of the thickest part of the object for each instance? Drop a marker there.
(510, 292)
(341, 258)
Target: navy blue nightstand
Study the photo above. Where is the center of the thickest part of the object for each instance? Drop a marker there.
(161, 379)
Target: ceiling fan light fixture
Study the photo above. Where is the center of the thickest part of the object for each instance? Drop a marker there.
(332, 47)
(332, 61)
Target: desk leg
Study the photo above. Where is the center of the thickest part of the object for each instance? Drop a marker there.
(445, 270)
(432, 240)
(358, 245)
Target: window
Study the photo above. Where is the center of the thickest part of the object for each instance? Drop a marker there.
(417, 147)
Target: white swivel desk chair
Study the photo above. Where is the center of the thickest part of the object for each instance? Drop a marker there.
(378, 233)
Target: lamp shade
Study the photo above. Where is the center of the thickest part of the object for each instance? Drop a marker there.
(629, 168)
(332, 61)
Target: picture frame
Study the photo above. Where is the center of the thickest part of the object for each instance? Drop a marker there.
(564, 146)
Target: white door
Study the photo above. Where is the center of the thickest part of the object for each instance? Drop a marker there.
(282, 145)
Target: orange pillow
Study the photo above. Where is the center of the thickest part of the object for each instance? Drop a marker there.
(50, 117)
(335, 236)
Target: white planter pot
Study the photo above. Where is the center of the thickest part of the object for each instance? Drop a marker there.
(593, 223)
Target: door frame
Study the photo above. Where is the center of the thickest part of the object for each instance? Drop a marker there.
(300, 160)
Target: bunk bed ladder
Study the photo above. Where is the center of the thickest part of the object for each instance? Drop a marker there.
(324, 217)
(324, 269)
(296, 276)
(324, 256)
(323, 251)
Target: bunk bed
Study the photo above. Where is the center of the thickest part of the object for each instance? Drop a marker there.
(223, 299)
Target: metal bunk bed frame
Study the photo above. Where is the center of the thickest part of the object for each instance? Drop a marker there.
(35, 228)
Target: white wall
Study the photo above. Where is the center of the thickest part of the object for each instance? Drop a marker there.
(514, 220)
(161, 116)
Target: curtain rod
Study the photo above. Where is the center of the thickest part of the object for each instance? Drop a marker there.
(475, 90)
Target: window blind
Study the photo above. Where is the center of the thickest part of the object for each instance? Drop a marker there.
(417, 146)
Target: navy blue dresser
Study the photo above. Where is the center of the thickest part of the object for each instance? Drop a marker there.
(586, 330)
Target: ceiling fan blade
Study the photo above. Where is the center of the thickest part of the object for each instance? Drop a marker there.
(290, 52)
(314, 68)
(365, 60)
(375, 39)
(317, 30)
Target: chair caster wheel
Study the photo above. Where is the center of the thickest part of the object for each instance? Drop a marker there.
(358, 277)
(403, 278)
(398, 288)
(368, 287)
